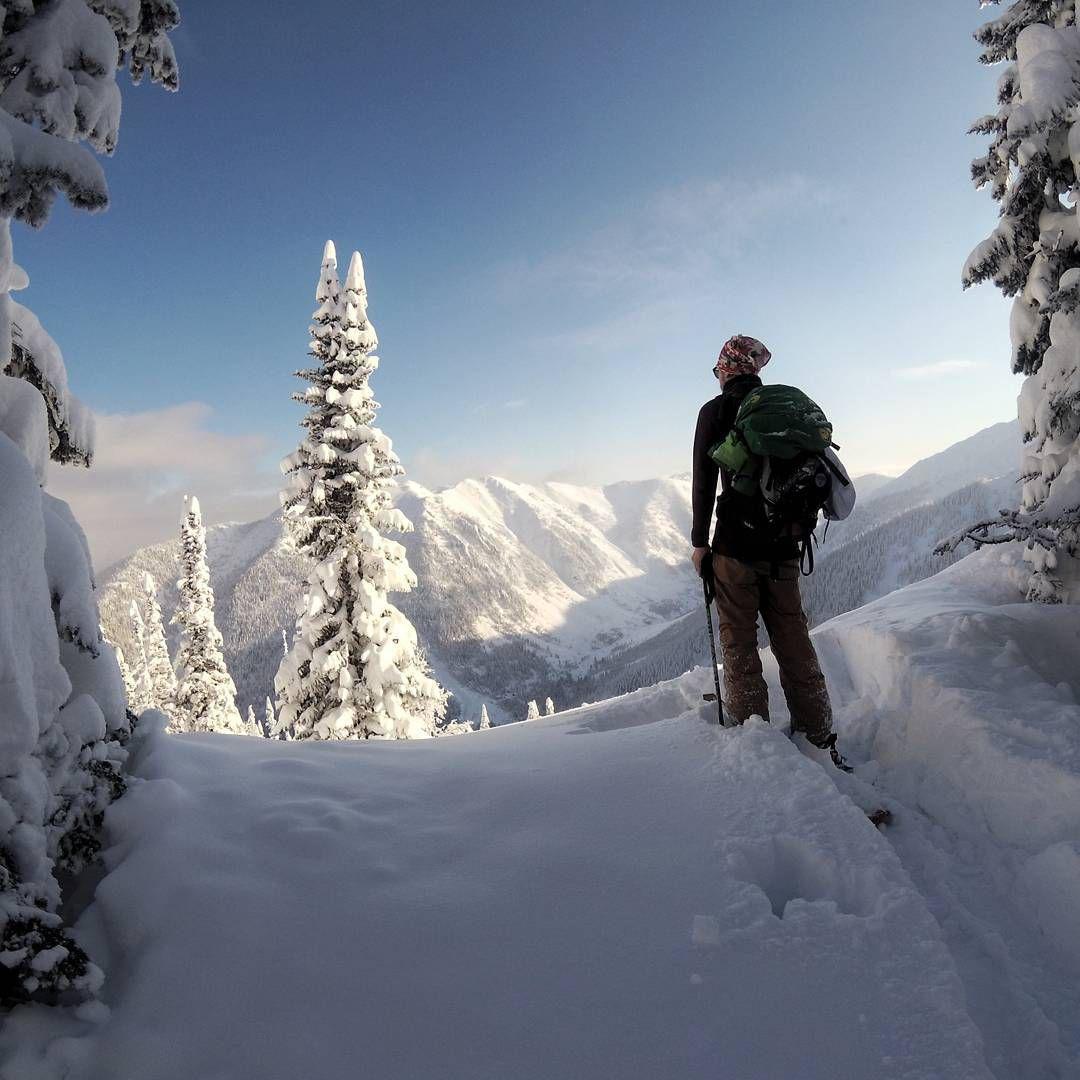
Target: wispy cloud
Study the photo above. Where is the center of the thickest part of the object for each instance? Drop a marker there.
(147, 461)
(674, 237)
(490, 406)
(932, 371)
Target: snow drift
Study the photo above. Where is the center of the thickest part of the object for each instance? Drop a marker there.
(621, 890)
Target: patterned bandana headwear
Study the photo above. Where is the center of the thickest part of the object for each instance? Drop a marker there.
(741, 355)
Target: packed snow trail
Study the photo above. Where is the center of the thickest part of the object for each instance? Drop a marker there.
(620, 890)
(965, 701)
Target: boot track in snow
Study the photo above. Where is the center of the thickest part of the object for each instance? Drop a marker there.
(879, 816)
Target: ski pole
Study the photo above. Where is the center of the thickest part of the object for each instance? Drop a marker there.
(708, 587)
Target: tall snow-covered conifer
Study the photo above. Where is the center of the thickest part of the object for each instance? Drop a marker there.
(355, 669)
(63, 717)
(125, 672)
(533, 712)
(485, 720)
(1033, 170)
(158, 664)
(205, 694)
(143, 696)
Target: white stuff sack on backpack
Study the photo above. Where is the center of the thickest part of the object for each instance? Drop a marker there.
(841, 500)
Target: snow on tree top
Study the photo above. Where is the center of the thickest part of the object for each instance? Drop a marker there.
(359, 332)
(193, 506)
(329, 254)
(355, 278)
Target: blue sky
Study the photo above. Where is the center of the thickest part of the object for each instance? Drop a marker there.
(564, 209)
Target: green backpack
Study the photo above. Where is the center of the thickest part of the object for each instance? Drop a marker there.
(774, 422)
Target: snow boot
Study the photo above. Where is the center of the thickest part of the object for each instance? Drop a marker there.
(829, 743)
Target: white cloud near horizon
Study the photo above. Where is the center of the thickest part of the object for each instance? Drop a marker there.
(144, 465)
(939, 367)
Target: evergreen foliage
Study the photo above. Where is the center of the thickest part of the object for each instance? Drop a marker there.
(1032, 168)
(64, 718)
(485, 720)
(533, 711)
(205, 694)
(52, 97)
(355, 669)
(142, 688)
(159, 666)
(125, 674)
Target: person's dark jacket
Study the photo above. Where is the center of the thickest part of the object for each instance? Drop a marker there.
(741, 528)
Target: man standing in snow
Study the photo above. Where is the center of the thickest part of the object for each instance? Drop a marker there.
(753, 571)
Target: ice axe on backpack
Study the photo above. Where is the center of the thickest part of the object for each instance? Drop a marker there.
(708, 585)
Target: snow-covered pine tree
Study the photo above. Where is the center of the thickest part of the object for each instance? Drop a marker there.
(142, 686)
(158, 664)
(268, 718)
(125, 673)
(1033, 170)
(549, 707)
(252, 722)
(205, 694)
(355, 669)
(64, 719)
(485, 720)
(533, 711)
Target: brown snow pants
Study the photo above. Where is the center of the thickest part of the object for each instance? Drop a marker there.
(742, 591)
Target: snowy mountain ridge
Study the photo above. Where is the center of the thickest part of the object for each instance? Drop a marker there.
(987, 454)
(540, 576)
(573, 591)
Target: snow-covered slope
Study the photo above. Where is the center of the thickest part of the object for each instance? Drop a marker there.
(989, 453)
(899, 550)
(869, 483)
(869, 565)
(556, 589)
(619, 891)
(622, 889)
(969, 702)
(572, 567)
